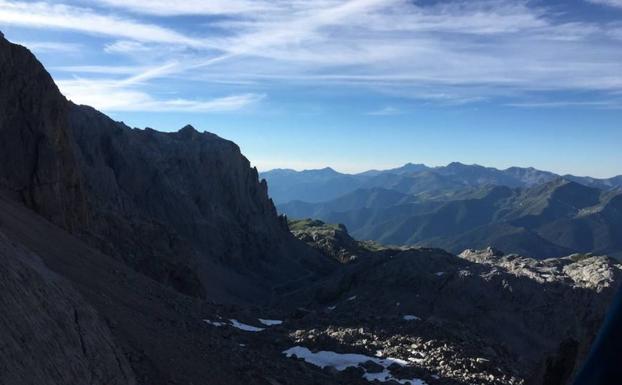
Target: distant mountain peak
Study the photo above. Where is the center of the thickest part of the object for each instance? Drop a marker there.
(410, 165)
(188, 129)
(460, 165)
(325, 170)
(456, 164)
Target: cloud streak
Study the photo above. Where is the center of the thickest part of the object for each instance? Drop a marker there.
(192, 7)
(113, 96)
(611, 3)
(51, 46)
(449, 52)
(64, 17)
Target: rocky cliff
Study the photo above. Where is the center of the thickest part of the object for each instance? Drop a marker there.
(37, 159)
(184, 208)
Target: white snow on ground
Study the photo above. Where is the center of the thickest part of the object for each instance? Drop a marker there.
(416, 360)
(440, 273)
(409, 317)
(242, 326)
(245, 327)
(270, 322)
(343, 361)
(352, 298)
(386, 376)
(214, 323)
(331, 308)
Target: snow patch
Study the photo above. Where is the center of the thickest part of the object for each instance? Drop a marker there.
(440, 273)
(214, 323)
(270, 322)
(351, 298)
(416, 360)
(245, 327)
(331, 308)
(341, 362)
(385, 376)
(409, 317)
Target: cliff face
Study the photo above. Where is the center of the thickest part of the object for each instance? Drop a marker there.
(37, 164)
(184, 208)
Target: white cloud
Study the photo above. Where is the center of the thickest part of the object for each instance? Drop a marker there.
(64, 17)
(487, 45)
(192, 7)
(127, 46)
(449, 52)
(51, 46)
(111, 95)
(101, 69)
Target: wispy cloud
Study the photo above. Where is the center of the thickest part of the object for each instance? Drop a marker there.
(101, 69)
(110, 95)
(65, 17)
(604, 104)
(447, 52)
(51, 46)
(611, 3)
(192, 7)
(385, 111)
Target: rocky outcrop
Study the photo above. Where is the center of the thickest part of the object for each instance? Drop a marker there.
(331, 240)
(50, 335)
(184, 208)
(481, 317)
(581, 271)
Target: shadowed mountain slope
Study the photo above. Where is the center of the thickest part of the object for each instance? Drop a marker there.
(50, 335)
(184, 208)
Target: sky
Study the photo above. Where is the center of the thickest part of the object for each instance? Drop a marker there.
(355, 85)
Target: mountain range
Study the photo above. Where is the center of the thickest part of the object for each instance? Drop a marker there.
(325, 184)
(137, 257)
(525, 211)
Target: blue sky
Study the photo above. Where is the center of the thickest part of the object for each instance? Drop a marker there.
(353, 84)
